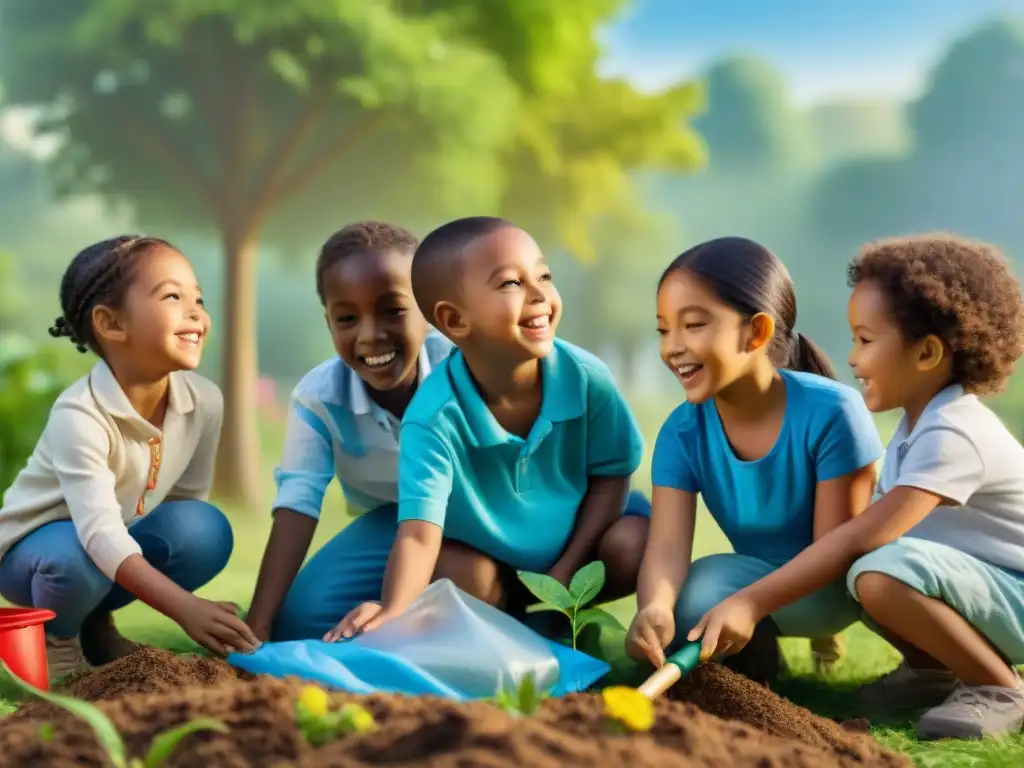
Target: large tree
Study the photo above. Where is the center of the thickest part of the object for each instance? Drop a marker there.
(250, 119)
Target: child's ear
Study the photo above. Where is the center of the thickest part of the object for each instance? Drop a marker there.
(107, 324)
(762, 326)
(930, 353)
(449, 320)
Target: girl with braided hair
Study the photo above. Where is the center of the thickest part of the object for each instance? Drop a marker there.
(112, 505)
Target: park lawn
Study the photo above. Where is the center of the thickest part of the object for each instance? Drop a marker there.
(867, 655)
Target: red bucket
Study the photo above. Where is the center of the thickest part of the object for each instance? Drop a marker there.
(23, 644)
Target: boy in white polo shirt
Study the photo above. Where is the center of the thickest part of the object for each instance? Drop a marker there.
(938, 558)
(112, 504)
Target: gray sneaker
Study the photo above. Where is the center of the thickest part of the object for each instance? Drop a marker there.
(972, 712)
(906, 689)
(64, 657)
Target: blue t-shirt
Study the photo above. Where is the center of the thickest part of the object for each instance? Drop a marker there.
(513, 499)
(766, 507)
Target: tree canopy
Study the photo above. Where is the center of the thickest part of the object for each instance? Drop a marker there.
(252, 119)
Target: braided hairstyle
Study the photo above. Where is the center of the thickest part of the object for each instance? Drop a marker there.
(99, 275)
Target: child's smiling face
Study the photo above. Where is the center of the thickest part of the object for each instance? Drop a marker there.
(508, 299)
(704, 341)
(375, 325)
(881, 359)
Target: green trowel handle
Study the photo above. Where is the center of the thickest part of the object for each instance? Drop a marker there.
(687, 657)
(677, 666)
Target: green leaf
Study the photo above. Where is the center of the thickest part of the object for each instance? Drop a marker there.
(541, 607)
(46, 732)
(597, 616)
(587, 583)
(164, 744)
(547, 590)
(529, 695)
(106, 734)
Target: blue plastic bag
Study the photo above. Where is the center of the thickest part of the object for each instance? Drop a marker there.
(447, 644)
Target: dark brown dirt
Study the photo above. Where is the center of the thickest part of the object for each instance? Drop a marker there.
(431, 732)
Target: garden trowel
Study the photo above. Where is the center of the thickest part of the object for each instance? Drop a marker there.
(677, 666)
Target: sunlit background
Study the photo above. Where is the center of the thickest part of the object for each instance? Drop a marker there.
(619, 133)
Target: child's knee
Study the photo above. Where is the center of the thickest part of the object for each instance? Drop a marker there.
(873, 589)
(621, 549)
(471, 571)
(195, 536)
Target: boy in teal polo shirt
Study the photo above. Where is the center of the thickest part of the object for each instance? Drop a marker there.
(519, 445)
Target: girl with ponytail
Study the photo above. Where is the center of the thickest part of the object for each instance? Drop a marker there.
(778, 450)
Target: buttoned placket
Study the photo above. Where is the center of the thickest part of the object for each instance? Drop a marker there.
(529, 446)
(156, 451)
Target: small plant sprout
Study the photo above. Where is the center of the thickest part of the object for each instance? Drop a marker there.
(627, 709)
(319, 724)
(521, 700)
(584, 587)
(110, 740)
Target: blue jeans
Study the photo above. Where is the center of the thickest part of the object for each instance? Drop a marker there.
(349, 570)
(188, 541)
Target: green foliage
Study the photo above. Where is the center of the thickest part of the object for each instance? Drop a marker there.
(585, 585)
(250, 118)
(30, 380)
(106, 733)
(521, 700)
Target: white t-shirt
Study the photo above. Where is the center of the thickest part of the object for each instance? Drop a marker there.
(94, 461)
(960, 450)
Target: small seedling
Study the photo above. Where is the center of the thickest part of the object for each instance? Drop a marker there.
(521, 700)
(585, 585)
(319, 724)
(160, 749)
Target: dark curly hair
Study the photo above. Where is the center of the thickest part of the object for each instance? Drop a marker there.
(961, 291)
(98, 275)
(360, 237)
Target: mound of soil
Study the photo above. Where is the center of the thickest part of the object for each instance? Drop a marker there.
(747, 727)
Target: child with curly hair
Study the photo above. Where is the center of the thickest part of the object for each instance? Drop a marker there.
(937, 561)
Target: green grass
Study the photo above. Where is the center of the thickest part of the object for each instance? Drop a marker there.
(867, 655)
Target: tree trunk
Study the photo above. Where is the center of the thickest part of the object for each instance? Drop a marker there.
(238, 475)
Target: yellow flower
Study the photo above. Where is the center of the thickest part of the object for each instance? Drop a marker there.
(629, 707)
(313, 699)
(357, 719)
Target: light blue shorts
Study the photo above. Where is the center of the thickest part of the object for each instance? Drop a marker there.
(712, 579)
(989, 597)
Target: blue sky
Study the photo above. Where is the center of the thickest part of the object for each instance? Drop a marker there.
(826, 48)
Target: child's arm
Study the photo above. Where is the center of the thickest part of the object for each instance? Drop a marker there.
(425, 478)
(81, 464)
(614, 450)
(732, 622)
(305, 472)
(601, 507)
(664, 569)
(669, 548)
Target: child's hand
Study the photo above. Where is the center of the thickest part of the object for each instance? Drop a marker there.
(363, 618)
(651, 631)
(217, 627)
(726, 628)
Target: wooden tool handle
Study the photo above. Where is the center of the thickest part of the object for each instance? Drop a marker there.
(661, 681)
